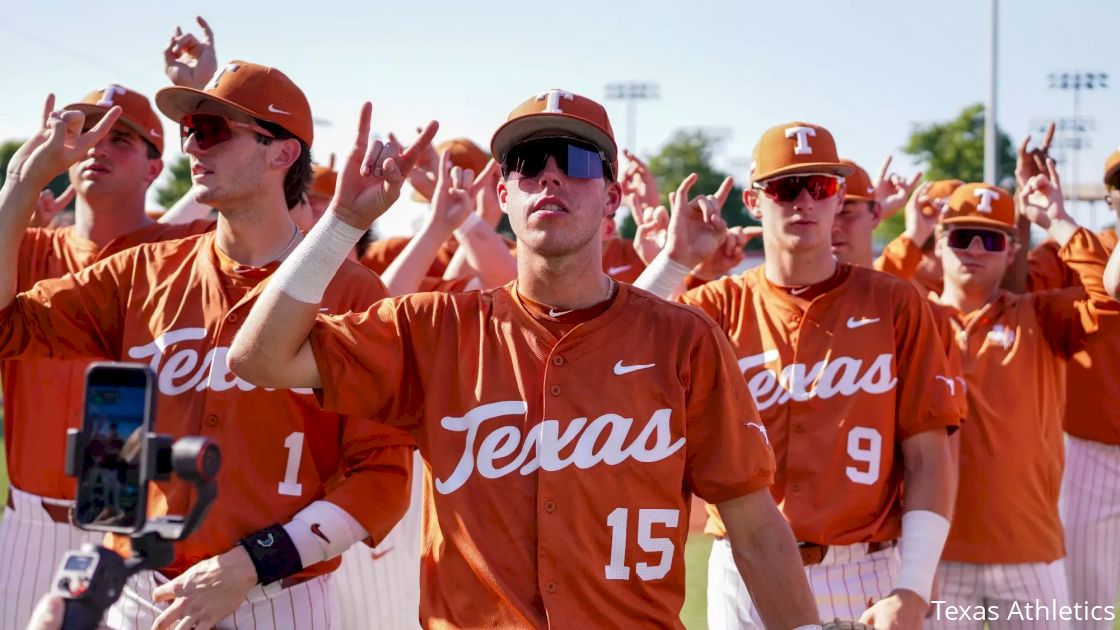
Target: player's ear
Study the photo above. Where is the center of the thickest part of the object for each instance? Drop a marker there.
(286, 154)
(614, 199)
(155, 167)
(503, 195)
(876, 213)
(750, 200)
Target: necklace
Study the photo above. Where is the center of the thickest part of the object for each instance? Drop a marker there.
(289, 247)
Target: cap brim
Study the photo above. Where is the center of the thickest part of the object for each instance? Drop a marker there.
(978, 222)
(176, 102)
(99, 110)
(828, 168)
(858, 198)
(518, 129)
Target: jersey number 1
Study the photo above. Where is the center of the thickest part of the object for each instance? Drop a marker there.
(289, 487)
(617, 569)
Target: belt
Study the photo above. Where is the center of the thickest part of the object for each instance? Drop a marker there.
(813, 553)
(57, 513)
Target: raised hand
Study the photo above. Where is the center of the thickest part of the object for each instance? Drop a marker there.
(651, 233)
(190, 61)
(47, 208)
(454, 195)
(58, 144)
(696, 227)
(639, 187)
(1031, 162)
(892, 190)
(1040, 198)
(921, 223)
(423, 175)
(728, 255)
(485, 188)
(370, 181)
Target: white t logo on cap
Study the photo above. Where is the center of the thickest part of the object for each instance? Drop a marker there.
(986, 196)
(107, 95)
(552, 105)
(803, 134)
(230, 67)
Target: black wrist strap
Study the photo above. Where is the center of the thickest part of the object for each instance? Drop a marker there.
(273, 554)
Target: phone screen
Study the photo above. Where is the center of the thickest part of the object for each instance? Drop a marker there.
(110, 493)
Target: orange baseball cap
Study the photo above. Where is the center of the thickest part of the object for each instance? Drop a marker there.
(259, 91)
(136, 111)
(558, 110)
(796, 147)
(1111, 165)
(982, 205)
(323, 179)
(857, 185)
(940, 189)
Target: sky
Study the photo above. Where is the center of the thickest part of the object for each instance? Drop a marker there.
(868, 72)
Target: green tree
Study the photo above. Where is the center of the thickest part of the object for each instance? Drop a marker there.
(954, 149)
(58, 184)
(180, 182)
(692, 151)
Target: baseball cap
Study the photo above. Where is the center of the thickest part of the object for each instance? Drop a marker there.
(981, 205)
(558, 110)
(796, 147)
(136, 111)
(858, 184)
(259, 91)
(940, 189)
(1111, 165)
(464, 154)
(323, 179)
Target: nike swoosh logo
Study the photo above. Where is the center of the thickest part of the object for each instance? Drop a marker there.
(318, 531)
(619, 269)
(555, 313)
(798, 290)
(155, 133)
(272, 108)
(325, 309)
(620, 369)
(860, 323)
(380, 554)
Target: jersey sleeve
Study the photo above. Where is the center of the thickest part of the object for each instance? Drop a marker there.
(1045, 269)
(376, 469)
(926, 388)
(1068, 316)
(76, 316)
(716, 299)
(900, 258)
(728, 451)
(367, 363)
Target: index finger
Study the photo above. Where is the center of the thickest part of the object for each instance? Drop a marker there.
(486, 175)
(725, 190)
(361, 142)
(48, 107)
(1049, 137)
(682, 190)
(408, 159)
(1023, 147)
(209, 34)
(883, 170)
(100, 130)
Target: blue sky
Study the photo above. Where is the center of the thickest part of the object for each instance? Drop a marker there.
(868, 72)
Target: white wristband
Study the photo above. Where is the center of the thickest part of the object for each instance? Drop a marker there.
(923, 539)
(664, 277)
(471, 222)
(322, 531)
(308, 271)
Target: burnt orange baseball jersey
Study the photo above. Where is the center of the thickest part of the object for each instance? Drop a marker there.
(43, 398)
(1014, 353)
(176, 306)
(561, 468)
(382, 252)
(1092, 389)
(621, 260)
(900, 258)
(839, 381)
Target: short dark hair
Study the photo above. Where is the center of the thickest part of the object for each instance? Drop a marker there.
(153, 152)
(298, 178)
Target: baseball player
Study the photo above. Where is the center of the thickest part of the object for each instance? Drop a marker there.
(845, 366)
(561, 451)
(1005, 548)
(910, 254)
(263, 554)
(1090, 498)
(43, 397)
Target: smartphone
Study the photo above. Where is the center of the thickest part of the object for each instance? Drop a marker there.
(117, 416)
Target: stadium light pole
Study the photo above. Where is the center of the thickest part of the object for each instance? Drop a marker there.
(632, 92)
(991, 159)
(1075, 82)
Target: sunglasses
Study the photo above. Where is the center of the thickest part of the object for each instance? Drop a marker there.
(786, 189)
(210, 130)
(579, 160)
(992, 240)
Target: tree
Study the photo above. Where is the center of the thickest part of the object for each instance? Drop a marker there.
(179, 184)
(58, 184)
(691, 151)
(954, 150)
